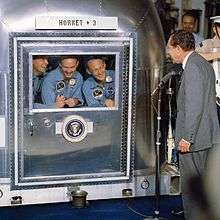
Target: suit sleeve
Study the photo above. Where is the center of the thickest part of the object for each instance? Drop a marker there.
(194, 101)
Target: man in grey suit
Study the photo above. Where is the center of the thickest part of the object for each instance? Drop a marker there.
(197, 128)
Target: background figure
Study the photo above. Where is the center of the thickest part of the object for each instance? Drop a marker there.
(210, 50)
(39, 67)
(206, 48)
(62, 86)
(189, 24)
(197, 128)
(168, 22)
(99, 89)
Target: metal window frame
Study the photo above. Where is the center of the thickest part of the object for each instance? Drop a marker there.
(130, 41)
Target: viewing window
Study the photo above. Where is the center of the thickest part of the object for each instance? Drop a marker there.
(64, 81)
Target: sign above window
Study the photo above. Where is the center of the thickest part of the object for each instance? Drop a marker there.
(75, 22)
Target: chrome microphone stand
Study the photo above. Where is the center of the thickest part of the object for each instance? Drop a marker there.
(157, 155)
(171, 157)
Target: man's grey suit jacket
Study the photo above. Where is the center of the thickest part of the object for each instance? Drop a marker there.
(197, 120)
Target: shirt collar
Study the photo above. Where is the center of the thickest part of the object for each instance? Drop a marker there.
(186, 58)
(38, 76)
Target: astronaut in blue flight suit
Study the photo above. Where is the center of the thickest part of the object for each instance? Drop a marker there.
(62, 87)
(99, 89)
(39, 67)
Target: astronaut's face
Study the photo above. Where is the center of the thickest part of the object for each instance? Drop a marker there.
(39, 65)
(68, 67)
(97, 68)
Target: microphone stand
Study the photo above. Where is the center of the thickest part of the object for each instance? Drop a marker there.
(171, 157)
(157, 155)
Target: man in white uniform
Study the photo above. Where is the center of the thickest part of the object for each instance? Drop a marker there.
(210, 50)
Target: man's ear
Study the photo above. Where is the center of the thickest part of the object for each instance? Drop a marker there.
(179, 49)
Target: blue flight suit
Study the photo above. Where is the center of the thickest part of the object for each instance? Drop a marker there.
(37, 85)
(54, 85)
(96, 94)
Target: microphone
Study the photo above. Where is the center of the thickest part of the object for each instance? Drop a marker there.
(165, 79)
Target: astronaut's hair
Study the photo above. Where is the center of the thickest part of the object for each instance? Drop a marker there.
(64, 57)
(34, 57)
(184, 39)
(96, 57)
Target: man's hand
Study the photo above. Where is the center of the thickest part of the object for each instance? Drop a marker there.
(109, 103)
(71, 102)
(60, 101)
(184, 146)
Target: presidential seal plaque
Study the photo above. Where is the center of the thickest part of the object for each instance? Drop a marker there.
(74, 128)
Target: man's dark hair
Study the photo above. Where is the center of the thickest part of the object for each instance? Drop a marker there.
(63, 57)
(189, 14)
(217, 24)
(184, 39)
